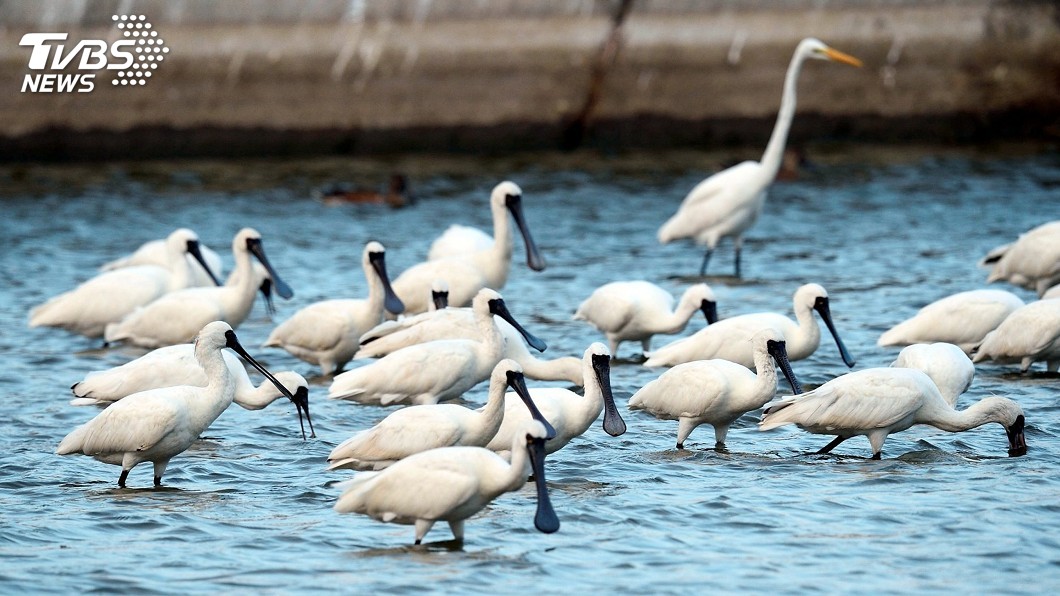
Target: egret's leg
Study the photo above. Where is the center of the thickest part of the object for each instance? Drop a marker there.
(457, 526)
(829, 447)
(720, 432)
(738, 244)
(122, 477)
(706, 261)
(685, 426)
(422, 527)
(160, 468)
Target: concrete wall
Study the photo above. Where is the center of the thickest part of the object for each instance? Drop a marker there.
(370, 76)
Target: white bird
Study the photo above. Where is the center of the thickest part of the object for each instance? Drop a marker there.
(415, 429)
(1028, 335)
(728, 203)
(112, 295)
(876, 402)
(437, 370)
(637, 310)
(439, 295)
(1032, 261)
(154, 252)
(729, 339)
(158, 424)
(174, 318)
(328, 333)
(176, 365)
(467, 274)
(962, 319)
(1053, 292)
(947, 365)
(459, 323)
(569, 414)
(716, 392)
(450, 484)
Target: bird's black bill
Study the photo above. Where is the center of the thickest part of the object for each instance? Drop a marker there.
(391, 302)
(498, 308)
(534, 260)
(196, 252)
(282, 289)
(821, 306)
(517, 382)
(710, 311)
(779, 351)
(545, 520)
(301, 403)
(440, 300)
(1017, 442)
(613, 423)
(233, 343)
(266, 291)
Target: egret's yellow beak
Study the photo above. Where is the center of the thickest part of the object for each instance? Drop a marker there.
(837, 56)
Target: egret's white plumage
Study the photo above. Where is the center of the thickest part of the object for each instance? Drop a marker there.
(716, 392)
(730, 339)
(450, 484)
(157, 424)
(876, 402)
(459, 240)
(328, 333)
(467, 274)
(176, 365)
(153, 252)
(1032, 261)
(112, 295)
(637, 310)
(175, 317)
(1028, 335)
(418, 428)
(947, 365)
(437, 370)
(569, 414)
(962, 319)
(728, 203)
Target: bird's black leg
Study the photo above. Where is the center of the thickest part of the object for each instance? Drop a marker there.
(418, 541)
(121, 479)
(706, 261)
(158, 481)
(829, 447)
(680, 445)
(877, 455)
(737, 260)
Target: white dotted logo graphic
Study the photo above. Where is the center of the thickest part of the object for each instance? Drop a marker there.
(150, 49)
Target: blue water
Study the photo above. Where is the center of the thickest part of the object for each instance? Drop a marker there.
(248, 508)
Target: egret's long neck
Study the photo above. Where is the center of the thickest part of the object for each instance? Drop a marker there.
(674, 322)
(250, 397)
(766, 383)
(953, 421)
(492, 414)
(495, 262)
(518, 471)
(220, 387)
(775, 149)
(567, 368)
(375, 289)
(808, 336)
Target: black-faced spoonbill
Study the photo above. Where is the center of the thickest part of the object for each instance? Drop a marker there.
(728, 203)
(637, 310)
(569, 414)
(729, 339)
(451, 484)
(436, 370)
(415, 429)
(158, 424)
(153, 252)
(327, 333)
(467, 274)
(877, 402)
(175, 318)
(947, 365)
(716, 392)
(1028, 335)
(176, 365)
(1032, 261)
(112, 295)
(962, 319)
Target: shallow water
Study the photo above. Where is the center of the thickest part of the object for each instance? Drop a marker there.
(248, 508)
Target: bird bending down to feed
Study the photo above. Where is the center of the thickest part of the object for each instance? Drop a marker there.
(716, 392)
(328, 333)
(877, 402)
(467, 273)
(1032, 261)
(176, 365)
(174, 318)
(729, 339)
(637, 310)
(415, 429)
(1028, 335)
(728, 203)
(451, 484)
(947, 365)
(962, 319)
(110, 296)
(158, 424)
(569, 414)
(436, 370)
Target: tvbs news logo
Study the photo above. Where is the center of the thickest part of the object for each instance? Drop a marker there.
(135, 56)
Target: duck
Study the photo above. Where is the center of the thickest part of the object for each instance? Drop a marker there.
(397, 194)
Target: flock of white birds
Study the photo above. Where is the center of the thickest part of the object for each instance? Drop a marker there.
(442, 327)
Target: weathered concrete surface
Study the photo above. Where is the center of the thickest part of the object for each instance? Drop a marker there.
(417, 75)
